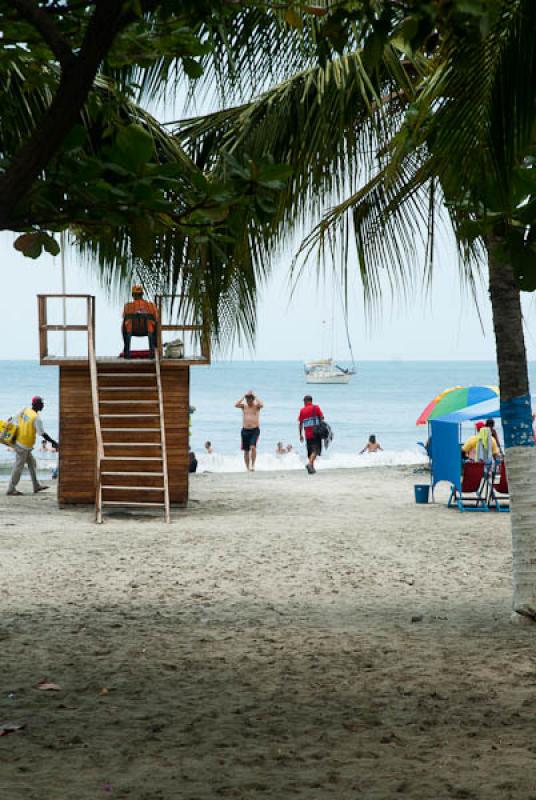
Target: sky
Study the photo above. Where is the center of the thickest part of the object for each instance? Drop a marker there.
(443, 323)
(440, 324)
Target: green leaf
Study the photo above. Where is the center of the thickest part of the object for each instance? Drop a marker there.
(373, 49)
(142, 238)
(192, 68)
(133, 148)
(292, 18)
(50, 244)
(29, 244)
(75, 139)
(406, 33)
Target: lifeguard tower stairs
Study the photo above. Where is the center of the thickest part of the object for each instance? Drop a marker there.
(123, 424)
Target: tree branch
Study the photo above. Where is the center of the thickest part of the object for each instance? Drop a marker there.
(64, 111)
(47, 28)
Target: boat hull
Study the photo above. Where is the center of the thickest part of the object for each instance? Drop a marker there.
(334, 378)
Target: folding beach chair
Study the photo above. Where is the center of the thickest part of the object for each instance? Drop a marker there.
(475, 488)
(139, 327)
(499, 494)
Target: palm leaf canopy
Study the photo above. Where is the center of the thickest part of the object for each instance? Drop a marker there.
(328, 123)
(376, 153)
(139, 208)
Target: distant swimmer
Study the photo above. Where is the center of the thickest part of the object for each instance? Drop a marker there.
(280, 450)
(250, 406)
(372, 446)
(209, 448)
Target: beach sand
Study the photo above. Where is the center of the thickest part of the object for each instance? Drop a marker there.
(285, 637)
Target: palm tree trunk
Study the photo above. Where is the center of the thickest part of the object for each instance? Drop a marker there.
(516, 417)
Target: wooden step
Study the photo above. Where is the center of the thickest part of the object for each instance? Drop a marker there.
(130, 430)
(134, 474)
(130, 503)
(126, 383)
(130, 402)
(124, 416)
(126, 374)
(132, 436)
(133, 480)
(137, 488)
(127, 388)
(132, 458)
(132, 444)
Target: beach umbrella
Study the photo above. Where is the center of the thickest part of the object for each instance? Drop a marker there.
(456, 398)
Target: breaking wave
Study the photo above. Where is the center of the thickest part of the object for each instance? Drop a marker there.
(267, 462)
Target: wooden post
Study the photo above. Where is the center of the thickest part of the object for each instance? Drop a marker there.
(95, 402)
(43, 333)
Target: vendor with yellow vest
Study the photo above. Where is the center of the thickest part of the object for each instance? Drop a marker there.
(29, 426)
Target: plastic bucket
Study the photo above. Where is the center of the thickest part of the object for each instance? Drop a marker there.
(422, 492)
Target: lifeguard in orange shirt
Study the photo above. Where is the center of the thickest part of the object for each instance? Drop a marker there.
(140, 318)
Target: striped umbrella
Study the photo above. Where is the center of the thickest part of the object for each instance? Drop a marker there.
(456, 398)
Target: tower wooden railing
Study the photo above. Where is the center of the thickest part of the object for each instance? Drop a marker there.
(162, 435)
(204, 338)
(44, 327)
(92, 358)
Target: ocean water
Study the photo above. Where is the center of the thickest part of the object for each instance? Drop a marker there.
(384, 398)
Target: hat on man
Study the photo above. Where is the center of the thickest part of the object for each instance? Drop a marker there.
(137, 289)
(37, 401)
(480, 425)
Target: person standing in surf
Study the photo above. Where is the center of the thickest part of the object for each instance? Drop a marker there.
(250, 406)
(309, 418)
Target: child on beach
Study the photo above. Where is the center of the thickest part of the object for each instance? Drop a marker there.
(372, 446)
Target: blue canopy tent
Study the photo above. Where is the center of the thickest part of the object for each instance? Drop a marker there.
(445, 434)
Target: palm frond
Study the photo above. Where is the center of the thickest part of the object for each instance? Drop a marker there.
(326, 123)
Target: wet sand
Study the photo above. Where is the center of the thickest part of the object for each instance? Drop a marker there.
(285, 637)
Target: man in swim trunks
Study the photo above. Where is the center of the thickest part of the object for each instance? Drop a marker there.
(310, 416)
(251, 410)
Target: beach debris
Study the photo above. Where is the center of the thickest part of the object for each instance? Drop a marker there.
(417, 618)
(46, 686)
(107, 787)
(11, 727)
(12, 696)
(104, 691)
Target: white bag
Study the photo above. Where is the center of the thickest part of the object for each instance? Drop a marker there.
(174, 349)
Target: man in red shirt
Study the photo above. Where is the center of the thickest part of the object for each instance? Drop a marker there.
(310, 416)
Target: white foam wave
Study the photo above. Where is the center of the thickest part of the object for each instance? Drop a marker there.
(268, 462)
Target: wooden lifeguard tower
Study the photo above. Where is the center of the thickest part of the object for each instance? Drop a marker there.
(123, 424)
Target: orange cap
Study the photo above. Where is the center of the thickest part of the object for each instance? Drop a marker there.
(137, 288)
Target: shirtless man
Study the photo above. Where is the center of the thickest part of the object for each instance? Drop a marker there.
(251, 409)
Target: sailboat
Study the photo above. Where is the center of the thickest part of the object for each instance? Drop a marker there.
(326, 370)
